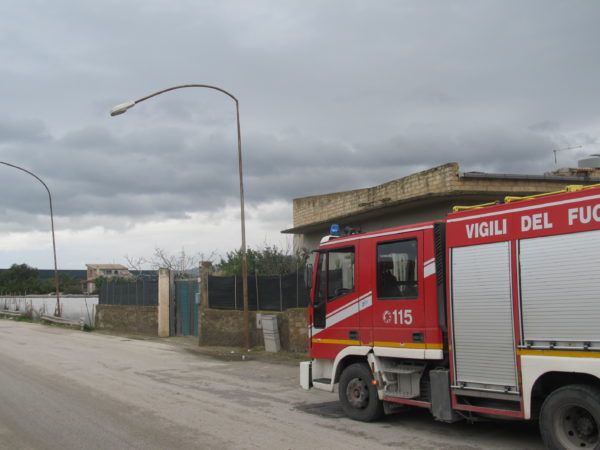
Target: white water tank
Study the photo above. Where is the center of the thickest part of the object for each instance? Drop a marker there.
(593, 161)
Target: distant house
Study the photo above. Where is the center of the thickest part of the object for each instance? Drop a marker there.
(104, 270)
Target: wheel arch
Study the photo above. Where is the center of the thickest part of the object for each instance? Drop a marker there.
(347, 357)
(549, 382)
(545, 372)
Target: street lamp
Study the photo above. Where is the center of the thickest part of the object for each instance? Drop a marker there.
(123, 107)
(56, 282)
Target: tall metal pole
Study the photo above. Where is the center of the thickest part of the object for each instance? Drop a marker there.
(246, 314)
(56, 280)
(122, 108)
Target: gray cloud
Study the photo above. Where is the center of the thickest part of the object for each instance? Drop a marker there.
(166, 175)
(22, 130)
(333, 95)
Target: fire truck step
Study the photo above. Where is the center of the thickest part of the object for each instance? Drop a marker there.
(322, 380)
(402, 371)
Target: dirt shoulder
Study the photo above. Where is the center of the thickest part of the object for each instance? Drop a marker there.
(190, 344)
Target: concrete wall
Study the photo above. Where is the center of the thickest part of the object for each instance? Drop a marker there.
(423, 196)
(127, 319)
(320, 208)
(391, 218)
(445, 180)
(222, 327)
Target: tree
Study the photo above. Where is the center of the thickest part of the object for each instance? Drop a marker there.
(22, 279)
(68, 284)
(135, 264)
(19, 279)
(182, 264)
(269, 260)
(101, 280)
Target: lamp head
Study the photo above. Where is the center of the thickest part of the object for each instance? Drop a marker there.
(120, 109)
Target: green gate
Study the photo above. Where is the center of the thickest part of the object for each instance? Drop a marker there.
(186, 307)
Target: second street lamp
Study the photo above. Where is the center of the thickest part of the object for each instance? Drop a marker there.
(123, 107)
(56, 279)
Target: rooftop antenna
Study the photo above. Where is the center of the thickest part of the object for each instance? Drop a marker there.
(556, 150)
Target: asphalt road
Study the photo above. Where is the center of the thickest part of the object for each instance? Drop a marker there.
(64, 389)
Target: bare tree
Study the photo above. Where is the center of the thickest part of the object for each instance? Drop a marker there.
(179, 263)
(136, 264)
(182, 264)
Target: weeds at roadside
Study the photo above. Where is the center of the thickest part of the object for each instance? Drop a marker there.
(27, 317)
(24, 318)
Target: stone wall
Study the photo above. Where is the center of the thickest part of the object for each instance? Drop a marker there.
(223, 327)
(127, 319)
(293, 328)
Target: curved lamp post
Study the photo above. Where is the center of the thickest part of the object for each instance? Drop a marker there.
(57, 312)
(123, 107)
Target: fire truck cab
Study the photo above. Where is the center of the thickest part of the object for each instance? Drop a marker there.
(494, 310)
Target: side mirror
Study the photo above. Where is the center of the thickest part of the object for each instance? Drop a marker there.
(308, 275)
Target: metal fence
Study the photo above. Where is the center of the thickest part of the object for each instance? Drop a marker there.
(129, 293)
(265, 292)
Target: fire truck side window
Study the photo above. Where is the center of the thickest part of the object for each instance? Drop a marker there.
(335, 274)
(396, 270)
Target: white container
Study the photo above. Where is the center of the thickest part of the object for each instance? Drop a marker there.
(305, 374)
(270, 333)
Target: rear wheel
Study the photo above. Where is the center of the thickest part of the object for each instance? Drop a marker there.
(570, 418)
(358, 394)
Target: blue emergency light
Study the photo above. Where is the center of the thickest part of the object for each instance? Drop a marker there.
(334, 230)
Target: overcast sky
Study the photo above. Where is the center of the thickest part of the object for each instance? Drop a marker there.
(334, 95)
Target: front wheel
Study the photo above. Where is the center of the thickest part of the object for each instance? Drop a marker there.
(358, 394)
(570, 417)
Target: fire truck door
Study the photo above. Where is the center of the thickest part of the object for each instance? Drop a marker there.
(335, 302)
(398, 311)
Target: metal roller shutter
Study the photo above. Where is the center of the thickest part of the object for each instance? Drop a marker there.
(484, 347)
(560, 287)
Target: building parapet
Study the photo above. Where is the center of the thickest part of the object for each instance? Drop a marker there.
(442, 182)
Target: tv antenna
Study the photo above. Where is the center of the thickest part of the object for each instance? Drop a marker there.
(556, 150)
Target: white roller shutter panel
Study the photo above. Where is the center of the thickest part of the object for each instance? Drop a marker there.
(560, 287)
(483, 333)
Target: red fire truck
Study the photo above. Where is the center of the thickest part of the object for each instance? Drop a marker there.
(493, 311)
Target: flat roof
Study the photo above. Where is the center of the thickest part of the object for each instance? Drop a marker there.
(467, 193)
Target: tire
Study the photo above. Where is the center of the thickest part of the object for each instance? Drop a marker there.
(570, 418)
(358, 395)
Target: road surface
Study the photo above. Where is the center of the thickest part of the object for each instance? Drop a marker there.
(65, 389)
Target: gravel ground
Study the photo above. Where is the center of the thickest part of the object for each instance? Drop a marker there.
(66, 389)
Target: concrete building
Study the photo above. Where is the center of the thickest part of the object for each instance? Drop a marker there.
(104, 270)
(423, 196)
